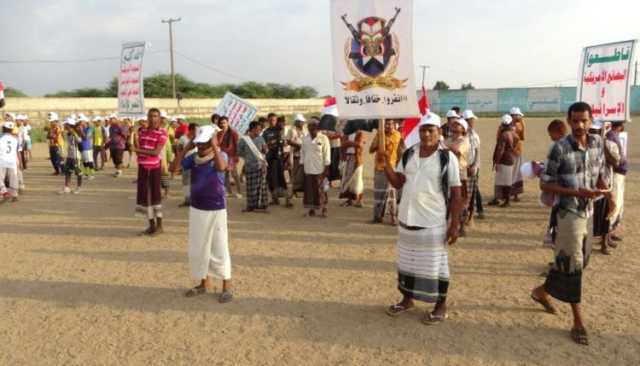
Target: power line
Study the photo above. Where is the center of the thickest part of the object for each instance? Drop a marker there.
(70, 61)
(212, 68)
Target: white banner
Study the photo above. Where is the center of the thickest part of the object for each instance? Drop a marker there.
(130, 80)
(239, 112)
(373, 58)
(604, 79)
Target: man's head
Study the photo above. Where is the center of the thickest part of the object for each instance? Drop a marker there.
(215, 118)
(579, 118)
(153, 118)
(557, 130)
(429, 131)
(516, 114)
(389, 126)
(193, 127)
(254, 129)
(223, 123)
(204, 139)
(459, 128)
(299, 120)
(617, 126)
(8, 127)
(281, 122)
(313, 127)
(272, 119)
(469, 117)
(452, 115)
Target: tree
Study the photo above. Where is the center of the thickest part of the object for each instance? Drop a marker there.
(13, 92)
(159, 86)
(468, 86)
(441, 85)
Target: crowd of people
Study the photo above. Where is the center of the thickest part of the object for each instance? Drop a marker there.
(430, 191)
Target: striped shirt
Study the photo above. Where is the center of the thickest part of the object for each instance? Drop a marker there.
(151, 139)
(572, 166)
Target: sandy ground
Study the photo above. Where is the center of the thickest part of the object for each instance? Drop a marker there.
(78, 287)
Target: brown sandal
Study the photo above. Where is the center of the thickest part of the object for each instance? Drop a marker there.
(196, 291)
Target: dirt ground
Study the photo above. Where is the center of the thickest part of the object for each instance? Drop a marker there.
(78, 287)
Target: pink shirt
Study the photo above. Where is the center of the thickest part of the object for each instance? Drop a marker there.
(150, 140)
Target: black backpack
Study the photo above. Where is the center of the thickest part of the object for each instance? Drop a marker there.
(444, 169)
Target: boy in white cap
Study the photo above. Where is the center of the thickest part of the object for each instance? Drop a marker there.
(9, 163)
(452, 116)
(73, 141)
(208, 232)
(429, 177)
(294, 138)
(459, 145)
(475, 197)
(504, 158)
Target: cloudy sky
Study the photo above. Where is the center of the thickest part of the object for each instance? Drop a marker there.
(497, 43)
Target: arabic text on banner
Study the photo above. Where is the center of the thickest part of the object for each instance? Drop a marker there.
(604, 79)
(239, 112)
(373, 69)
(130, 80)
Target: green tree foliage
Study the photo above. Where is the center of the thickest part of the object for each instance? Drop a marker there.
(159, 86)
(468, 86)
(13, 92)
(441, 85)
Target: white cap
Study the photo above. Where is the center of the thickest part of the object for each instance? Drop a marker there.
(468, 114)
(70, 121)
(597, 124)
(430, 119)
(10, 116)
(82, 118)
(53, 116)
(181, 116)
(300, 117)
(174, 119)
(22, 117)
(98, 119)
(452, 114)
(164, 115)
(463, 123)
(205, 134)
(515, 111)
(112, 115)
(9, 125)
(506, 120)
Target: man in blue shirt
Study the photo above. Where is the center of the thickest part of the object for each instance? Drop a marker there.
(208, 236)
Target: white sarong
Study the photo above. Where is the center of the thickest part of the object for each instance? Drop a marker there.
(209, 244)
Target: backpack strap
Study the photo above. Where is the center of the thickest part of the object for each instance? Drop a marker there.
(444, 176)
(406, 156)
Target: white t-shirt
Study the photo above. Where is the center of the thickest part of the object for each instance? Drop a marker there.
(423, 203)
(8, 151)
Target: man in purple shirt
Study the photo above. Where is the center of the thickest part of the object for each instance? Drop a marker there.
(117, 143)
(208, 236)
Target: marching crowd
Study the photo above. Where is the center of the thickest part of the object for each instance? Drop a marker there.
(430, 190)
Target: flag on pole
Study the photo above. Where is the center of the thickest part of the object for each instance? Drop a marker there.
(410, 133)
(1, 95)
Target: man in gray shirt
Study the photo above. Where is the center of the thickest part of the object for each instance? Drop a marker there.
(251, 149)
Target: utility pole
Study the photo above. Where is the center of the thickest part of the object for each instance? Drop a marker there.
(170, 21)
(424, 71)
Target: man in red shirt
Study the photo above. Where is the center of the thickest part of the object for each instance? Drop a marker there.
(151, 142)
(183, 126)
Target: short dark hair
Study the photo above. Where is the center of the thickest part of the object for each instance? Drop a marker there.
(455, 108)
(215, 117)
(262, 120)
(271, 115)
(282, 119)
(193, 126)
(557, 126)
(254, 125)
(223, 118)
(152, 110)
(617, 124)
(579, 107)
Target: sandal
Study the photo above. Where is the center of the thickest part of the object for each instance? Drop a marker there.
(225, 297)
(433, 319)
(196, 291)
(579, 335)
(398, 309)
(545, 304)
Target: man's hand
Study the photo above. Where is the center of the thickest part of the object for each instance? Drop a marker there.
(588, 193)
(453, 232)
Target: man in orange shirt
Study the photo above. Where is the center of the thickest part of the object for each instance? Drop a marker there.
(383, 192)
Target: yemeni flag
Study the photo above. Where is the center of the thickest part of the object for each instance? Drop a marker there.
(410, 133)
(2, 103)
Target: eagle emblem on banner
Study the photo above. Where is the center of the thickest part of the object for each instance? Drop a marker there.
(371, 54)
